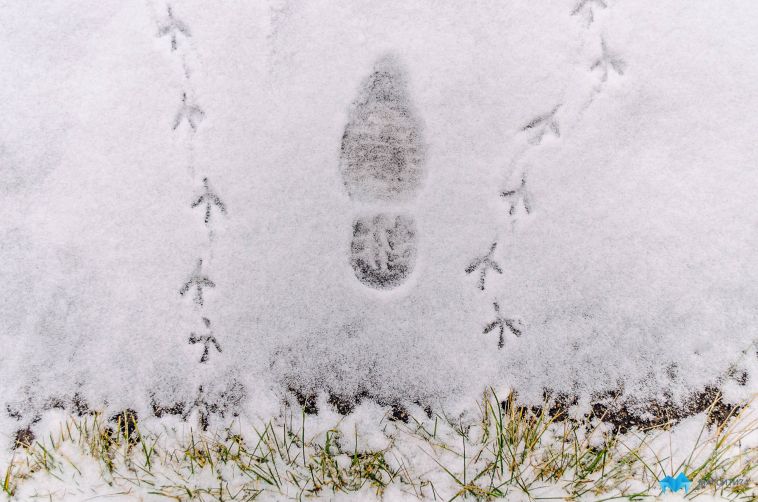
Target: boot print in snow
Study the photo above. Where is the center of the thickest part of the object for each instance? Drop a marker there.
(382, 163)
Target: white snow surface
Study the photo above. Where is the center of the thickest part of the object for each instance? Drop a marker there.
(636, 265)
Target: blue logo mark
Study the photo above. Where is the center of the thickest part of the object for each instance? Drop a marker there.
(675, 484)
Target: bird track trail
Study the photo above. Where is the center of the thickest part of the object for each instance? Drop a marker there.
(188, 119)
(546, 126)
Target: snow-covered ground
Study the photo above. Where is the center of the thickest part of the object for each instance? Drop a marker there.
(215, 203)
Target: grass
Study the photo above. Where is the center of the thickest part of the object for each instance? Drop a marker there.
(506, 451)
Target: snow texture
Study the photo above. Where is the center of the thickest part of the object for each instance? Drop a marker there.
(332, 195)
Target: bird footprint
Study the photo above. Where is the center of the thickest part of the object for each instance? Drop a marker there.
(207, 340)
(205, 408)
(607, 60)
(586, 7)
(189, 112)
(542, 125)
(173, 28)
(486, 263)
(210, 199)
(518, 196)
(199, 281)
(500, 322)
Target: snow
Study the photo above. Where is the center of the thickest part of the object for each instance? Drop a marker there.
(74, 472)
(607, 160)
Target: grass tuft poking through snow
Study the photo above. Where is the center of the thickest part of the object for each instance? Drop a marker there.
(507, 451)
